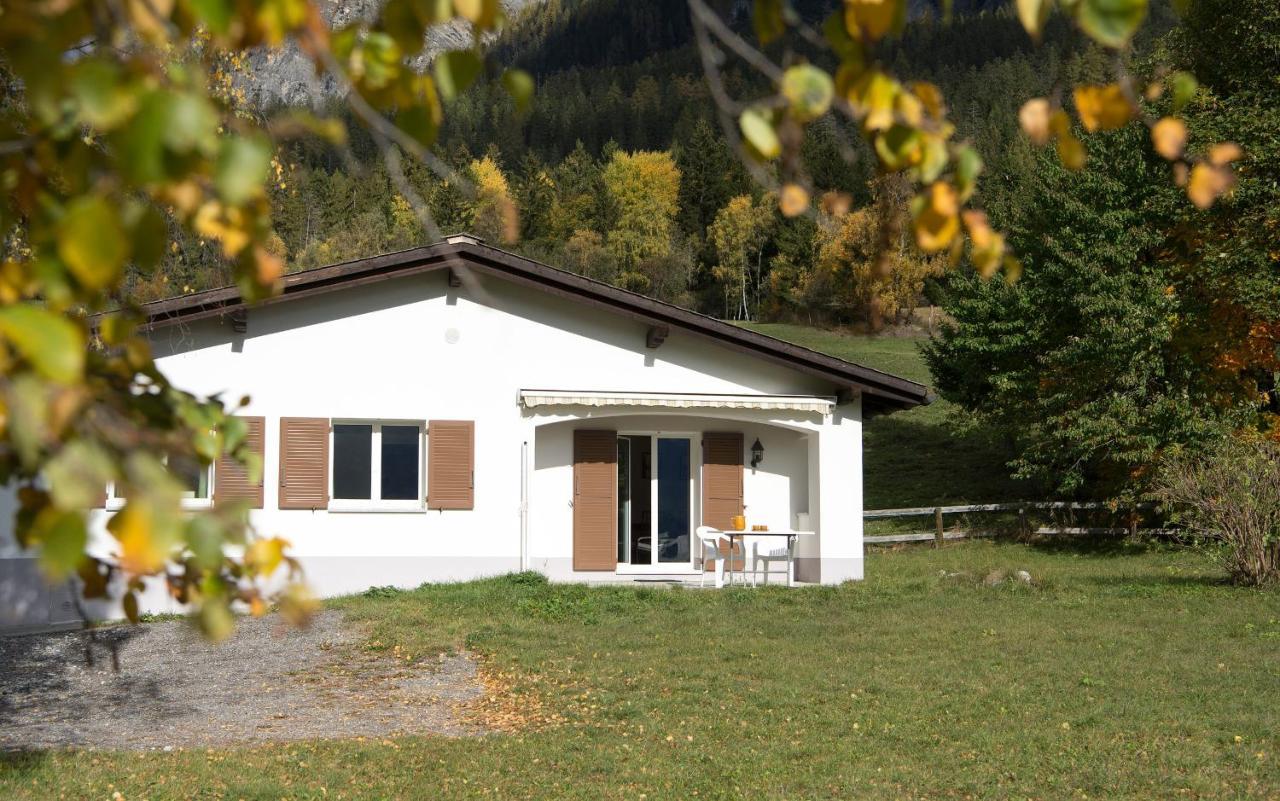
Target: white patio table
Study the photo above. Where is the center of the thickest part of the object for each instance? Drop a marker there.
(736, 537)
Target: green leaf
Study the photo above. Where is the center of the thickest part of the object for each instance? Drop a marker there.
(53, 344)
(769, 20)
(1111, 22)
(78, 474)
(190, 123)
(1184, 86)
(242, 168)
(380, 60)
(1033, 14)
(968, 168)
(842, 44)
(808, 90)
(897, 146)
(419, 123)
(62, 538)
(91, 241)
(406, 21)
(204, 538)
(140, 144)
(149, 234)
(519, 84)
(455, 70)
(104, 101)
(130, 606)
(215, 15)
(757, 130)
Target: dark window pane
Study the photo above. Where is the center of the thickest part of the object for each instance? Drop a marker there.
(673, 500)
(193, 475)
(352, 461)
(400, 463)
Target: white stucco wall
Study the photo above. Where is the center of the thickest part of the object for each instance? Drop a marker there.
(415, 349)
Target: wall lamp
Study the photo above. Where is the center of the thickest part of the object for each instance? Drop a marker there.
(757, 453)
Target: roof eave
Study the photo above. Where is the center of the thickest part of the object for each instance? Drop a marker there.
(878, 388)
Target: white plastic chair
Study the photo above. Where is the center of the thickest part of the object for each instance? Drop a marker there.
(709, 548)
(766, 551)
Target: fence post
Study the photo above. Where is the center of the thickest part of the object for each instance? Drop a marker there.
(937, 521)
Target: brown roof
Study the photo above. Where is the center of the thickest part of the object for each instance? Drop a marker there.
(882, 391)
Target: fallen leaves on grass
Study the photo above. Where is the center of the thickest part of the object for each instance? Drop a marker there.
(508, 704)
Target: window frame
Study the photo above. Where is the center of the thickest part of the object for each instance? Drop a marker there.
(375, 503)
(115, 503)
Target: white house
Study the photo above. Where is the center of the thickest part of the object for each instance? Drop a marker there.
(456, 411)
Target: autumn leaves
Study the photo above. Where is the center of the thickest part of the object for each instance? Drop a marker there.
(908, 128)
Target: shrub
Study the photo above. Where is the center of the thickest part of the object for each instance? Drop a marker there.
(386, 591)
(1229, 498)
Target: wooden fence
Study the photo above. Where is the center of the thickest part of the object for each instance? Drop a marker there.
(940, 534)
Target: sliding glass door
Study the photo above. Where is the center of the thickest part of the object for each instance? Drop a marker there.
(656, 485)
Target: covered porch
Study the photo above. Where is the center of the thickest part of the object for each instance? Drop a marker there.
(618, 483)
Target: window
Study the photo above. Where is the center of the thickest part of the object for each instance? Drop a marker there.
(193, 475)
(196, 480)
(377, 465)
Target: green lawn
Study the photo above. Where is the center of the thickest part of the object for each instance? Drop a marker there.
(1124, 673)
(914, 458)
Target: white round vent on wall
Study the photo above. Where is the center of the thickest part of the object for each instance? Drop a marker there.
(452, 335)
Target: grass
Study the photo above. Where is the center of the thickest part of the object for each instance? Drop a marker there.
(914, 458)
(1123, 672)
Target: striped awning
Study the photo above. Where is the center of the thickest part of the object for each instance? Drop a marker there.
(532, 398)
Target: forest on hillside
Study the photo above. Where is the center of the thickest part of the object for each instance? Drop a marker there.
(620, 171)
(1142, 326)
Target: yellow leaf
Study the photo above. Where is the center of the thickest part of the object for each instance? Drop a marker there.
(836, 204)
(225, 224)
(1169, 136)
(1224, 153)
(793, 200)
(143, 550)
(1207, 182)
(808, 90)
(1012, 269)
(931, 97)
(1033, 14)
(757, 130)
(988, 246)
(1071, 152)
(297, 604)
(263, 556)
(151, 17)
(268, 266)
(872, 97)
(872, 19)
(1103, 108)
(483, 13)
(92, 241)
(937, 217)
(1034, 119)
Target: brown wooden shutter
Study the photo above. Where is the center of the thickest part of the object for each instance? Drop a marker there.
(595, 500)
(304, 462)
(721, 478)
(231, 480)
(451, 468)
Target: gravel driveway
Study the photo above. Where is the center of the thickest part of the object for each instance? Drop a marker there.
(267, 682)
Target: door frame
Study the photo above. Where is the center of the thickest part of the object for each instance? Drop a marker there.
(695, 502)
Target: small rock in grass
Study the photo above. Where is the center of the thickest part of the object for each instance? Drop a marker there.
(1023, 576)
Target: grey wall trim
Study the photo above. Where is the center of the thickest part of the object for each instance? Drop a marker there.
(28, 603)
